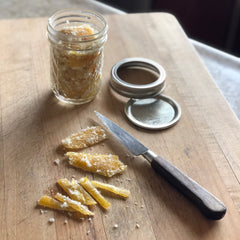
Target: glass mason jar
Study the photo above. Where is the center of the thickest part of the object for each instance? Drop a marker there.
(76, 54)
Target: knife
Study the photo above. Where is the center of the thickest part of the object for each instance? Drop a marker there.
(208, 204)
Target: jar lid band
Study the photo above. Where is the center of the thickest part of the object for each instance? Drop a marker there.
(135, 90)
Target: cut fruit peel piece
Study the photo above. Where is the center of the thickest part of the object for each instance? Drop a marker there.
(71, 190)
(105, 165)
(85, 138)
(52, 203)
(110, 188)
(94, 192)
(88, 199)
(74, 204)
(76, 191)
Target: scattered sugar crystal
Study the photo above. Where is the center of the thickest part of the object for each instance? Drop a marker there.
(66, 221)
(57, 161)
(137, 225)
(88, 232)
(115, 226)
(88, 163)
(51, 220)
(43, 211)
(64, 205)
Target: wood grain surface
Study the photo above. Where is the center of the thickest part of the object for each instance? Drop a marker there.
(204, 143)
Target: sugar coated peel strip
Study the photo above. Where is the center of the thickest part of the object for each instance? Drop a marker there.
(76, 191)
(86, 138)
(108, 187)
(71, 191)
(52, 203)
(88, 199)
(105, 165)
(94, 192)
(74, 204)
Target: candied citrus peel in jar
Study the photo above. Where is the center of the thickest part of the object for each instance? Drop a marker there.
(76, 54)
(81, 31)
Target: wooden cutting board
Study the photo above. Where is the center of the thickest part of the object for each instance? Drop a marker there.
(204, 144)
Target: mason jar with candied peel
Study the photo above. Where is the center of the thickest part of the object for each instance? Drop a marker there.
(76, 54)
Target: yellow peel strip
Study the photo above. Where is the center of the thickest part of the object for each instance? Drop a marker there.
(52, 203)
(94, 192)
(116, 190)
(74, 204)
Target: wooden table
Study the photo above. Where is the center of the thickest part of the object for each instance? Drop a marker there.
(204, 144)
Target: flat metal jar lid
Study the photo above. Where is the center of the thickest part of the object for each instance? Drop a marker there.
(147, 108)
(135, 90)
(159, 112)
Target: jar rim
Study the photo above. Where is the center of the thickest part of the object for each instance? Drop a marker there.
(74, 12)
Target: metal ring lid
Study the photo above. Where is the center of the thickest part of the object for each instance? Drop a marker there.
(147, 108)
(135, 90)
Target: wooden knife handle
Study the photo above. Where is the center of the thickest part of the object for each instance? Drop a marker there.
(208, 204)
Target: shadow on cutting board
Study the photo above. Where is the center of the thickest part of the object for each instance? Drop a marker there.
(158, 194)
(161, 196)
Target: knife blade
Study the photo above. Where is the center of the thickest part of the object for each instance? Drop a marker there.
(208, 204)
(132, 144)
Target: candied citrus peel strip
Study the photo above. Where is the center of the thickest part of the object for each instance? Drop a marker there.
(73, 204)
(71, 190)
(87, 137)
(94, 192)
(76, 191)
(105, 165)
(88, 199)
(108, 187)
(52, 203)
